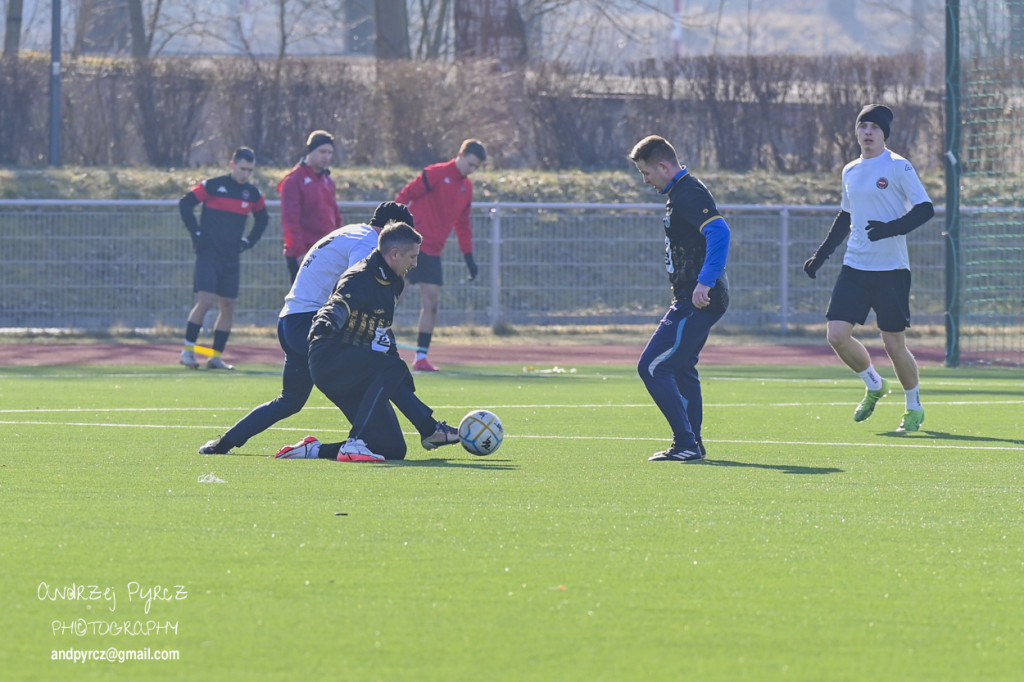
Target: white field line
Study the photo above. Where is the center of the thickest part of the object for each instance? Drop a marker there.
(94, 410)
(829, 444)
(707, 377)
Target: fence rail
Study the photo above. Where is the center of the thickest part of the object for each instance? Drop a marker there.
(96, 265)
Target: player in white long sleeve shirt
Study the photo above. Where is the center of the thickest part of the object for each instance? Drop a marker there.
(883, 200)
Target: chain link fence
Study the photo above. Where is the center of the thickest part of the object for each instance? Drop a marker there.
(102, 265)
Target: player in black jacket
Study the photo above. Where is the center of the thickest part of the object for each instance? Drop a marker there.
(354, 360)
(696, 250)
(219, 238)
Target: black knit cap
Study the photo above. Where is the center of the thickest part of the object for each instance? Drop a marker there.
(391, 211)
(879, 114)
(318, 138)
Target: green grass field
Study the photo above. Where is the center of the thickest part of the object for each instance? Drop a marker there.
(807, 547)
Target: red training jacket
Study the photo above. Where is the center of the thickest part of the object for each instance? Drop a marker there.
(440, 198)
(309, 208)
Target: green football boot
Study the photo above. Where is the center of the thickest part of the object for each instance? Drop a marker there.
(871, 398)
(912, 420)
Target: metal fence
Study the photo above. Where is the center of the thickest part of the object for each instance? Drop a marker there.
(97, 265)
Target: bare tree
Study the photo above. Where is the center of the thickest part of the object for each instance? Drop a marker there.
(12, 36)
(392, 20)
(491, 29)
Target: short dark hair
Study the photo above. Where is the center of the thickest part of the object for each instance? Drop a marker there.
(391, 211)
(398, 234)
(474, 147)
(244, 154)
(653, 148)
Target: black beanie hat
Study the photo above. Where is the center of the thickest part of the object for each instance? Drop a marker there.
(318, 138)
(879, 114)
(391, 211)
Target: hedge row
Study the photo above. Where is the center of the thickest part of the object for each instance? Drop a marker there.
(776, 113)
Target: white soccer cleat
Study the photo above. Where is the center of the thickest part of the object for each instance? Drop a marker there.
(188, 358)
(307, 448)
(355, 450)
(217, 363)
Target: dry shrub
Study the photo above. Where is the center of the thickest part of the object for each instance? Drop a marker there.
(779, 113)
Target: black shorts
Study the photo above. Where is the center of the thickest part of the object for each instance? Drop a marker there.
(427, 271)
(217, 275)
(857, 292)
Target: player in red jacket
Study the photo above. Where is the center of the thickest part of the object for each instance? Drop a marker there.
(309, 203)
(440, 199)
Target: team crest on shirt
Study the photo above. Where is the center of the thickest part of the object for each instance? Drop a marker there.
(245, 194)
(882, 183)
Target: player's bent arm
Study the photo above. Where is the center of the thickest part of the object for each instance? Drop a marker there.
(464, 228)
(328, 322)
(837, 234)
(186, 206)
(717, 235)
(416, 189)
(915, 218)
(260, 221)
(291, 211)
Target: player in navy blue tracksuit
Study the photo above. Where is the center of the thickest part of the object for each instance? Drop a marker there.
(696, 251)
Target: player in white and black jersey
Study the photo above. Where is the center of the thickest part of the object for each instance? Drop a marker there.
(317, 276)
(883, 200)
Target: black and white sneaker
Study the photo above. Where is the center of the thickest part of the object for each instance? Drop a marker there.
(214, 447)
(678, 454)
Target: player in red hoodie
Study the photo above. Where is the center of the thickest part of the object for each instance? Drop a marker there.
(309, 203)
(440, 198)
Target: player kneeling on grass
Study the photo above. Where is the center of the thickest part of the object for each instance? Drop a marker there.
(354, 360)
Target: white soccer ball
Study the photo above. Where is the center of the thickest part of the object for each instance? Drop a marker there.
(481, 432)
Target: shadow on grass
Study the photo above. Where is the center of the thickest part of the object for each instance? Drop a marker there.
(942, 435)
(489, 465)
(783, 468)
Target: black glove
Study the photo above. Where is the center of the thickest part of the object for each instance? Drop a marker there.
(915, 218)
(471, 264)
(812, 264)
(195, 240)
(243, 244)
(877, 230)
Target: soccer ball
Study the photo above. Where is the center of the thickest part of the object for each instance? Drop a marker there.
(481, 432)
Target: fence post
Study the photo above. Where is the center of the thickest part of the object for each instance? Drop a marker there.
(784, 271)
(495, 307)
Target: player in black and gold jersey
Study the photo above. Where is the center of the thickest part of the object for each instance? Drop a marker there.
(354, 361)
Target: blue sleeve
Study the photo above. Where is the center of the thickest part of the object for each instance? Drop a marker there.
(716, 234)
